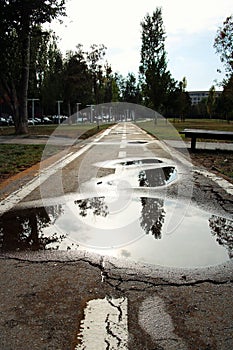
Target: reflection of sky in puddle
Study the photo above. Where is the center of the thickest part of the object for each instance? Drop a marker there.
(191, 244)
(145, 229)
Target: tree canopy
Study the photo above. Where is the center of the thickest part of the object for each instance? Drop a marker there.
(224, 47)
(224, 44)
(154, 75)
(19, 18)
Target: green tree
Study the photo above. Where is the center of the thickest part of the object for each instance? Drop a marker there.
(224, 104)
(107, 87)
(224, 47)
(154, 76)
(211, 100)
(95, 65)
(77, 80)
(53, 87)
(19, 19)
(131, 90)
(10, 63)
(183, 99)
(224, 44)
(115, 90)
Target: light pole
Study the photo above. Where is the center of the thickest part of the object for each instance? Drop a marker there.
(33, 108)
(91, 112)
(77, 104)
(155, 118)
(110, 114)
(59, 110)
(102, 113)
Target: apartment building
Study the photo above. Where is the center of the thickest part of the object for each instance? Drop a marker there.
(197, 96)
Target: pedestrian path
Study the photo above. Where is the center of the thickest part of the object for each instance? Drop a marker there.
(201, 145)
(38, 140)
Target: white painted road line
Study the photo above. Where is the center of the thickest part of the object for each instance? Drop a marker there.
(226, 185)
(105, 325)
(122, 154)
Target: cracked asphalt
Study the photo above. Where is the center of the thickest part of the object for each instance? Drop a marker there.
(45, 294)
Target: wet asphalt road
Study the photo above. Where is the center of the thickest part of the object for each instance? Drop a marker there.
(46, 297)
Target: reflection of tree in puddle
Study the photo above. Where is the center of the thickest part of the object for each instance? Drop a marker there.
(156, 177)
(23, 230)
(223, 229)
(152, 217)
(95, 204)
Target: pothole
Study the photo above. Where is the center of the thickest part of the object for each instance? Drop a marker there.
(138, 142)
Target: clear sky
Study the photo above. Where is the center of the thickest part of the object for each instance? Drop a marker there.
(190, 27)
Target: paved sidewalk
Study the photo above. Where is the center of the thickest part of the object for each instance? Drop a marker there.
(201, 145)
(38, 140)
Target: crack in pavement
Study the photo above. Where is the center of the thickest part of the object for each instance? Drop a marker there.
(156, 284)
(110, 332)
(133, 283)
(101, 325)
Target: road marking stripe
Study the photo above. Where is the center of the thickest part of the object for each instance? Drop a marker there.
(122, 154)
(226, 185)
(105, 325)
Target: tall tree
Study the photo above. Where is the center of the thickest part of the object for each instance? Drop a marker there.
(210, 102)
(95, 64)
(130, 89)
(19, 19)
(224, 44)
(154, 76)
(52, 88)
(77, 79)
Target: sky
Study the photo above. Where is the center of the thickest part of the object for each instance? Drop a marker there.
(190, 27)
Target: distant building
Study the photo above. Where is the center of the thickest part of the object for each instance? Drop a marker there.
(197, 96)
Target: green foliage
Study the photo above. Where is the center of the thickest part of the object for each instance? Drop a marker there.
(21, 19)
(154, 76)
(130, 89)
(224, 104)
(15, 158)
(224, 44)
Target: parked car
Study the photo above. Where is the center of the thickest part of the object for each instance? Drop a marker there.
(36, 121)
(62, 118)
(47, 120)
(3, 122)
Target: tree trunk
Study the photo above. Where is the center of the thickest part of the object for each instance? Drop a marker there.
(21, 125)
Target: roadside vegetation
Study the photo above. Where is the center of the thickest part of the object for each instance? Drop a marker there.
(168, 129)
(214, 160)
(15, 158)
(81, 130)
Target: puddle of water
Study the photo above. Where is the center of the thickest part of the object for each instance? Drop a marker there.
(144, 175)
(127, 162)
(105, 325)
(157, 177)
(138, 142)
(137, 231)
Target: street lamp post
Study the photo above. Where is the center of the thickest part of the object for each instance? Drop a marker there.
(33, 108)
(77, 104)
(59, 110)
(91, 106)
(110, 114)
(102, 114)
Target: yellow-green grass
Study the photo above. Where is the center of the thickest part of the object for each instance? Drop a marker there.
(18, 157)
(169, 129)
